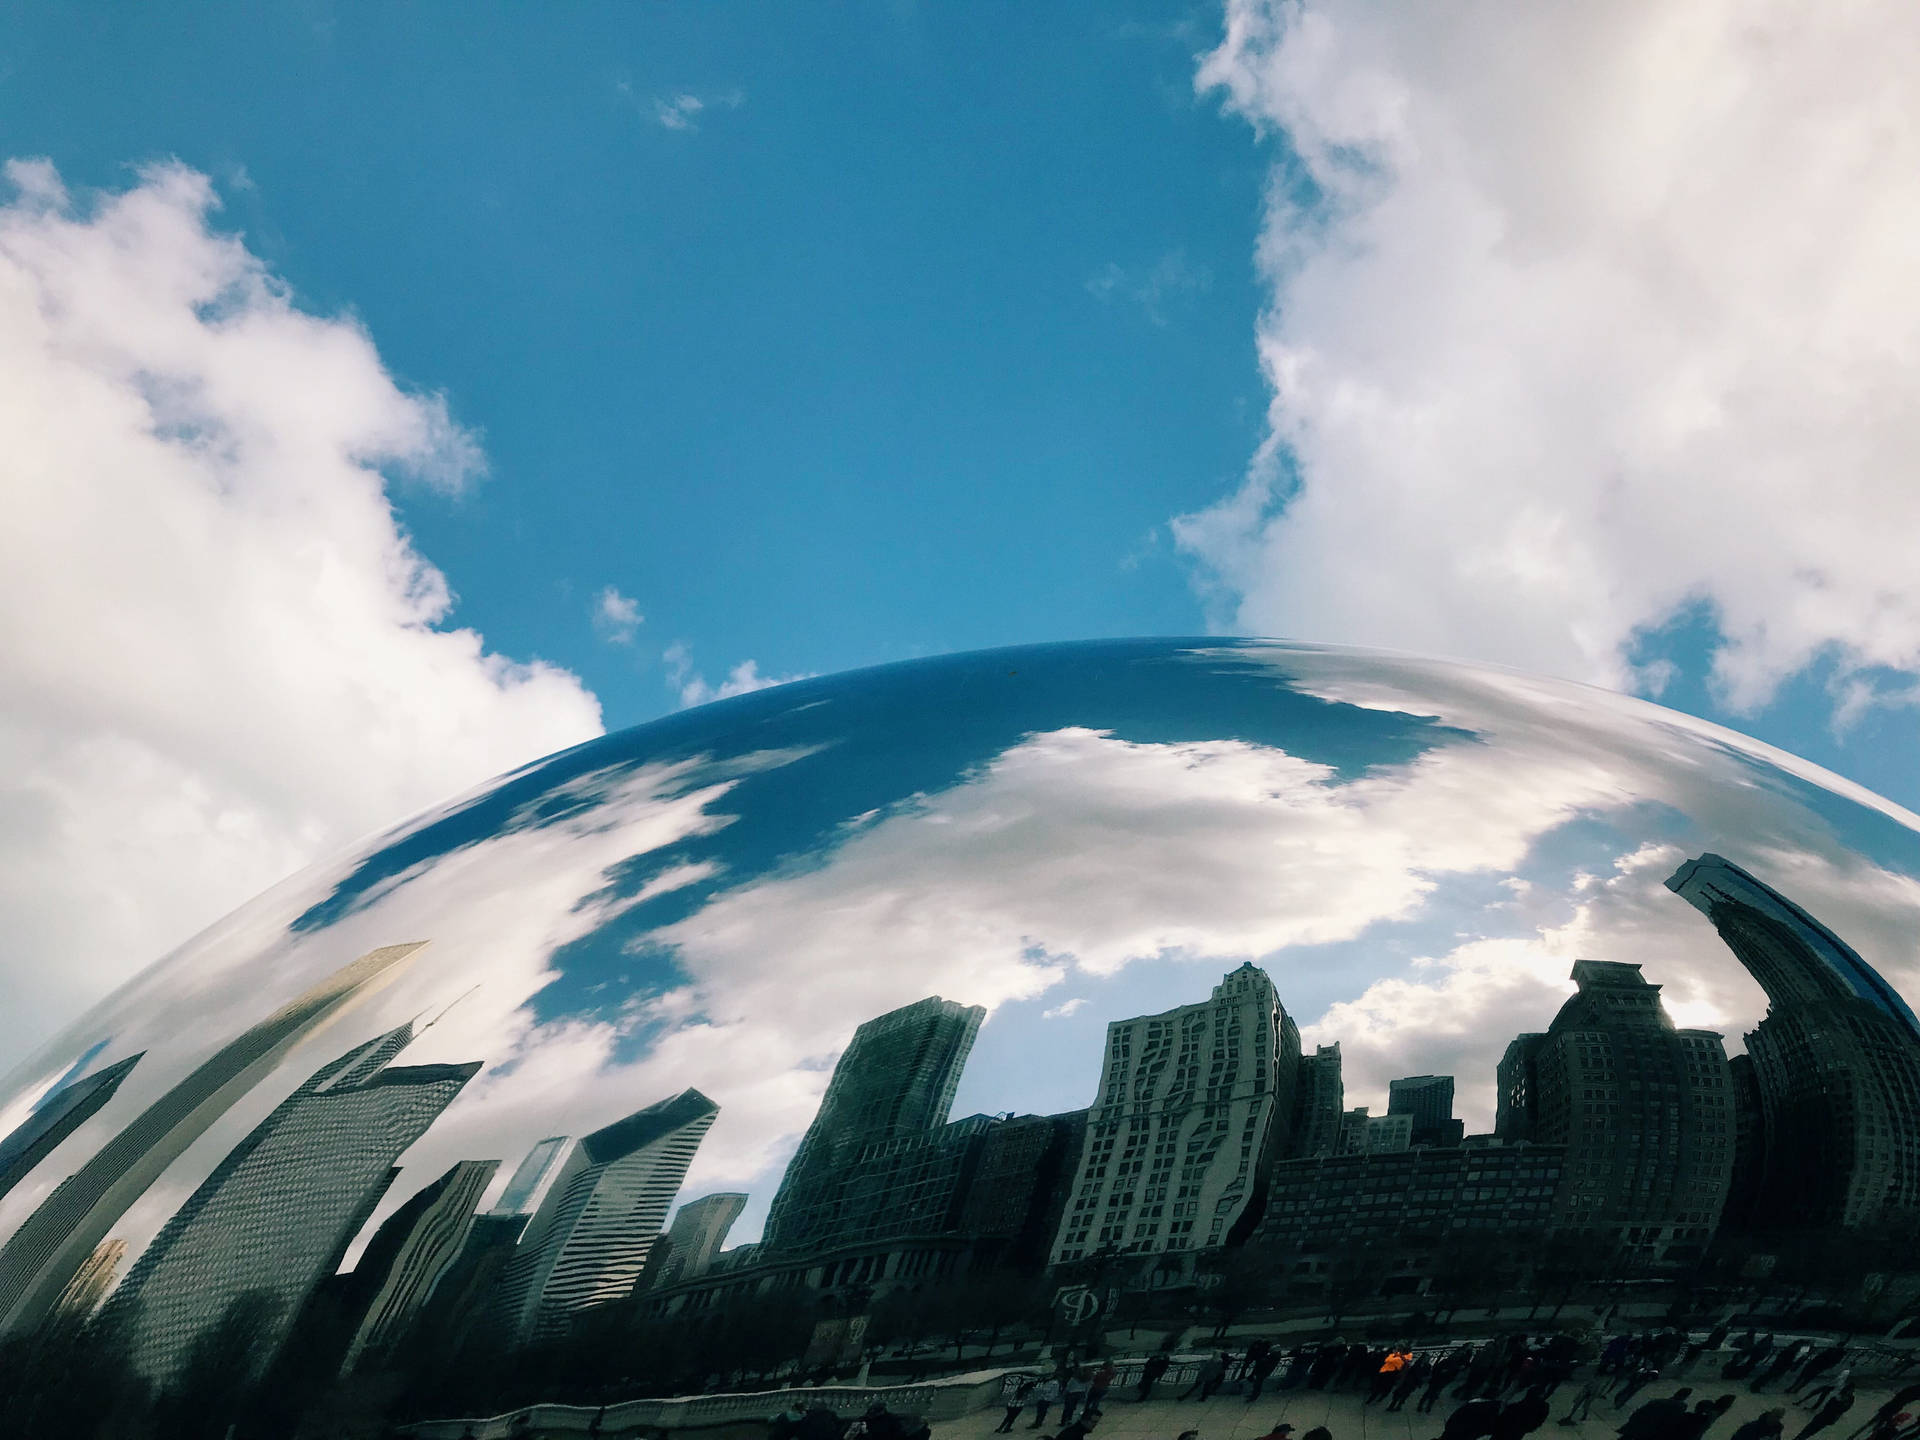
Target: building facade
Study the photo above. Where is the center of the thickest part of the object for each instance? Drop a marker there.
(56, 1117)
(410, 1253)
(1427, 1100)
(1194, 1105)
(54, 1242)
(1333, 1204)
(1645, 1112)
(1836, 1061)
(698, 1231)
(880, 1157)
(588, 1241)
(277, 1214)
(1320, 1103)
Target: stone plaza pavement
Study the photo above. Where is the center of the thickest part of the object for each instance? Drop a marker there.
(1230, 1417)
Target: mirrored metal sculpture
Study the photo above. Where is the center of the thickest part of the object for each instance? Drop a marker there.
(1027, 995)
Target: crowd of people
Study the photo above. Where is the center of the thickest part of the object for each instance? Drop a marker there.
(1495, 1390)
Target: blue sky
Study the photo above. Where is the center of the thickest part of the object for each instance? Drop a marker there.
(822, 379)
(370, 347)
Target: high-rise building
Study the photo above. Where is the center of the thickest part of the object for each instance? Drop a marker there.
(889, 1096)
(527, 1187)
(1019, 1189)
(55, 1240)
(1194, 1104)
(57, 1116)
(1428, 1101)
(410, 1252)
(278, 1213)
(1517, 1080)
(587, 1243)
(1364, 1134)
(698, 1231)
(1645, 1111)
(1330, 1203)
(1837, 1060)
(1320, 1104)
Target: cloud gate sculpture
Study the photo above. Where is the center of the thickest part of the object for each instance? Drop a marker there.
(1063, 994)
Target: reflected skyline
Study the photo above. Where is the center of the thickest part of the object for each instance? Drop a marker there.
(1141, 953)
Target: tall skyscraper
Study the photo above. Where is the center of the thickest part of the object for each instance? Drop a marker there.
(277, 1214)
(1837, 1061)
(1645, 1111)
(1364, 1134)
(588, 1242)
(56, 1117)
(1193, 1106)
(527, 1186)
(1321, 1100)
(1428, 1101)
(894, 1082)
(53, 1242)
(698, 1231)
(1517, 1080)
(413, 1248)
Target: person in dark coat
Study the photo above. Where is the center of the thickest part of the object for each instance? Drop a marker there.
(1209, 1379)
(1902, 1399)
(1695, 1423)
(1259, 1370)
(1817, 1365)
(1652, 1420)
(1522, 1417)
(820, 1423)
(1411, 1379)
(1762, 1427)
(1472, 1421)
(1151, 1372)
(1828, 1413)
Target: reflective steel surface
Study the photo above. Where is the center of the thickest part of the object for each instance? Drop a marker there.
(1097, 976)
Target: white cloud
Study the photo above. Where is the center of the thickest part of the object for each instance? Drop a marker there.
(617, 617)
(694, 688)
(682, 110)
(222, 655)
(1583, 316)
(1065, 1008)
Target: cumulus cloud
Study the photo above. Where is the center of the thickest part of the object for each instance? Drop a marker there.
(223, 655)
(616, 617)
(1583, 318)
(694, 688)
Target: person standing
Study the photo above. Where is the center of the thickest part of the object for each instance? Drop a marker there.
(1388, 1374)
(1016, 1402)
(1595, 1387)
(1151, 1372)
(1411, 1379)
(1045, 1396)
(1820, 1394)
(1259, 1371)
(1072, 1395)
(1828, 1413)
(1209, 1378)
(1905, 1396)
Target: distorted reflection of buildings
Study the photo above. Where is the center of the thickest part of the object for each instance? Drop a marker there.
(52, 1243)
(1643, 1110)
(605, 1203)
(1836, 1061)
(1193, 1106)
(1621, 1137)
(276, 1216)
(409, 1254)
(57, 1116)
